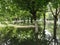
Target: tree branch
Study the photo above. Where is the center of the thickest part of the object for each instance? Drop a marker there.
(58, 11)
(51, 10)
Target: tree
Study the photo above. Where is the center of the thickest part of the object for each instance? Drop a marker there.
(32, 6)
(56, 5)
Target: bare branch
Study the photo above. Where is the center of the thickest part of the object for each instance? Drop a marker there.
(51, 10)
(56, 14)
(58, 11)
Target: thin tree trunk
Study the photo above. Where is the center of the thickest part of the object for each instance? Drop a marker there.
(31, 20)
(55, 24)
(28, 20)
(55, 27)
(24, 21)
(44, 25)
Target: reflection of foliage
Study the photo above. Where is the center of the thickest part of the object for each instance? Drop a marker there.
(21, 36)
(9, 33)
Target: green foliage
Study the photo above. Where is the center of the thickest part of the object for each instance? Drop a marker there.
(31, 4)
(17, 36)
(13, 34)
(22, 9)
(7, 9)
(55, 3)
(11, 8)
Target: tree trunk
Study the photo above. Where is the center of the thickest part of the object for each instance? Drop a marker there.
(44, 25)
(36, 27)
(55, 27)
(33, 12)
(28, 20)
(31, 20)
(24, 21)
(36, 32)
